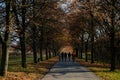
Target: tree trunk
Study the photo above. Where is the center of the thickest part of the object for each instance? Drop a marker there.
(91, 12)
(54, 53)
(34, 45)
(86, 49)
(113, 52)
(4, 60)
(112, 38)
(41, 43)
(22, 36)
(23, 50)
(46, 53)
(81, 47)
(50, 54)
(92, 38)
(5, 55)
(92, 50)
(41, 55)
(77, 52)
(34, 36)
(34, 52)
(22, 31)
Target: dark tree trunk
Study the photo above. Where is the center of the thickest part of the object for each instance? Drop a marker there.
(86, 49)
(5, 55)
(34, 52)
(92, 38)
(54, 53)
(112, 38)
(41, 43)
(46, 53)
(35, 55)
(54, 50)
(91, 12)
(34, 37)
(4, 60)
(23, 50)
(113, 52)
(77, 52)
(92, 49)
(22, 31)
(81, 46)
(41, 55)
(22, 36)
(50, 54)
(34, 45)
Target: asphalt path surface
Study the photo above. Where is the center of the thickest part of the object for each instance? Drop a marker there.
(70, 71)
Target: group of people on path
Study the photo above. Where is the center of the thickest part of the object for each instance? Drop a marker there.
(64, 56)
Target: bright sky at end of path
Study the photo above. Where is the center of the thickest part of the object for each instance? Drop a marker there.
(67, 49)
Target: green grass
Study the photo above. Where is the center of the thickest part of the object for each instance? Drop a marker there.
(33, 71)
(106, 74)
(17, 58)
(101, 69)
(15, 64)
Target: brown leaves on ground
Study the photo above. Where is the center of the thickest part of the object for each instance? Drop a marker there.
(95, 64)
(39, 70)
(88, 64)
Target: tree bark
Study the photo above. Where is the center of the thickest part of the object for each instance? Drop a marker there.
(86, 49)
(50, 54)
(113, 52)
(92, 32)
(81, 46)
(77, 52)
(34, 37)
(46, 53)
(22, 36)
(5, 55)
(34, 45)
(92, 49)
(41, 43)
(112, 38)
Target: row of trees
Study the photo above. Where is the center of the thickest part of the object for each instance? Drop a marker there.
(39, 25)
(31, 25)
(95, 20)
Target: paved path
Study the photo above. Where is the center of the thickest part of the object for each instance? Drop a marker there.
(70, 71)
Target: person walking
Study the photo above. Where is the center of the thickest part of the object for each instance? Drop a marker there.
(62, 55)
(69, 56)
(65, 55)
(59, 56)
(73, 57)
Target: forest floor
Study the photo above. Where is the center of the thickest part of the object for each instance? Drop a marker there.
(32, 72)
(102, 70)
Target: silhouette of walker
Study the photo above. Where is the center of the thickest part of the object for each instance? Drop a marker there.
(73, 56)
(65, 56)
(59, 56)
(69, 56)
(62, 55)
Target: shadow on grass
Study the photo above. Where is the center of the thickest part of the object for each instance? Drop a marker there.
(33, 70)
(96, 67)
(32, 67)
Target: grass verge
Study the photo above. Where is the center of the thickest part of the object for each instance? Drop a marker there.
(101, 70)
(32, 72)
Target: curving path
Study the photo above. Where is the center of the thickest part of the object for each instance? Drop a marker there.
(70, 71)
